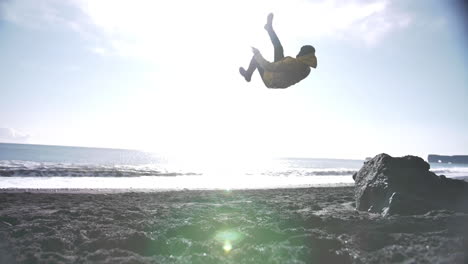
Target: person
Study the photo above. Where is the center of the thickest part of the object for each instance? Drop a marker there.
(284, 71)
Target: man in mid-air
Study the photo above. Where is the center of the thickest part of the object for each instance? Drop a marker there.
(284, 71)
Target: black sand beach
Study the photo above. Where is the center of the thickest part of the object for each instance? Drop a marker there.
(314, 225)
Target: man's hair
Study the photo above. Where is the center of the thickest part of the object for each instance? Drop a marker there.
(307, 49)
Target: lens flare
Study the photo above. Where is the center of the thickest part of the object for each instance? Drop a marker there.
(228, 238)
(227, 246)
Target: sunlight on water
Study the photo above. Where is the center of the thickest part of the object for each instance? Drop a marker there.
(217, 163)
(205, 169)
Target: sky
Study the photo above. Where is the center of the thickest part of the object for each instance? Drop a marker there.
(163, 76)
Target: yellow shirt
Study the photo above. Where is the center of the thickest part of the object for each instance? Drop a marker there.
(286, 72)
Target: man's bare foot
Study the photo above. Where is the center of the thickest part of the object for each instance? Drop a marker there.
(269, 24)
(243, 72)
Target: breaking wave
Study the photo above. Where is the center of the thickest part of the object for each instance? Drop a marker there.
(15, 168)
(48, 169)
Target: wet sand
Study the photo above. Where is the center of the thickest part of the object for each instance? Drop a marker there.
(313, 225)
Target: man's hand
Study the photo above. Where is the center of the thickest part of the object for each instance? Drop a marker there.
(255, 51)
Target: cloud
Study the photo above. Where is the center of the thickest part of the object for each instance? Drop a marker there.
(38, 14)
(146, 28)
(157, 30)
(368, 22)
(10, 135)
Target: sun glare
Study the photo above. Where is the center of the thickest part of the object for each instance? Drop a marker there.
(227, 246)
(228, 238)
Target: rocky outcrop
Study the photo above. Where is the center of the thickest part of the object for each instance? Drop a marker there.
(457, 159)
(405, 186)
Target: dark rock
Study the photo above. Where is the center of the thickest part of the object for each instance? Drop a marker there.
(405, 186)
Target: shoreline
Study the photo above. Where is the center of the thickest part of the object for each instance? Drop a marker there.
(154, 190)
(182, 189)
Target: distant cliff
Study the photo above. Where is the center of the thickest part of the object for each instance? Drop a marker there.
(448, 159)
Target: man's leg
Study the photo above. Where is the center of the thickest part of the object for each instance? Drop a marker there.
(252, 67)
(279, 53)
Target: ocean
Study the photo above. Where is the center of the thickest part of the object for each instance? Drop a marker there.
(60, 167)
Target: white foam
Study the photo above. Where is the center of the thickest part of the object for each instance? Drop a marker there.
(172, 183)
